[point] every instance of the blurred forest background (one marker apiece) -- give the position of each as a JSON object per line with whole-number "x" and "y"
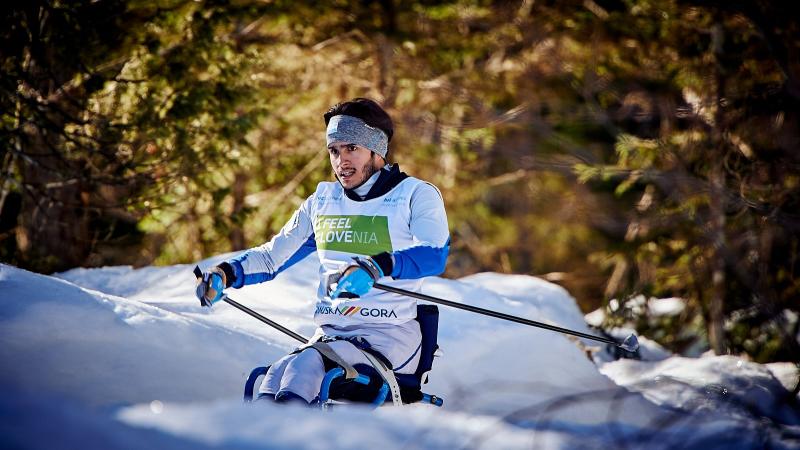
{"x": 619, "y": 148}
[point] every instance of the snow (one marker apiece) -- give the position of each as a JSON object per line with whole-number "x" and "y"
{"x": 126, "y": 358}
{"x": 649, "y": 350}
{"x": 655, "y": 307}
{"x": 725, "y": 384}
{"x": 667, "y": 306}
{"x": 786, "y": 373}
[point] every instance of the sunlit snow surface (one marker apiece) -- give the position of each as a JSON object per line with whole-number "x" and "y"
{"x": 123, "y": 358}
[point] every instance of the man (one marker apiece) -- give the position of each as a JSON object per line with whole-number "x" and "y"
{"x": 373, "y": 224}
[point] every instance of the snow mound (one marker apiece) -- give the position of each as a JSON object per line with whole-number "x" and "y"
{"x": 722, "y": 384}
{"x": 103, "y": 350}
{"x": 126, "y": 358}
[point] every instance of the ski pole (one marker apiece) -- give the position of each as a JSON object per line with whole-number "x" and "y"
{"x": 199, "y": 274}
{"x": 630, "y": 344}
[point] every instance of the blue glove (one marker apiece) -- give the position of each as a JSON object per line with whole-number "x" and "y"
{"x": 210, "y": 286}
{"x": 358, "y": 278}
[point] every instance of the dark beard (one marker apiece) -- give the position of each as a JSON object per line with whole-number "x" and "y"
{"x": 369, "y": 169}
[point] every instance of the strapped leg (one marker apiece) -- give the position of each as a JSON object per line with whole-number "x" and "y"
{"x": 327, "y": 351}
{"x": 388, "y": 377}
{"x": 347, "y": 351}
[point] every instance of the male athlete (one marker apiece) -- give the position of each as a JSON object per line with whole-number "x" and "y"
{"x": 374, "y": 224}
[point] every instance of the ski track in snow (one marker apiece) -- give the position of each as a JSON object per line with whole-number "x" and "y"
{"x": 123, "y": 358}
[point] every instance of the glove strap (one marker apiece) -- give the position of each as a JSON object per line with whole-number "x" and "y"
{"x": 218, "y": 270}
{"x": 370, "y": 266}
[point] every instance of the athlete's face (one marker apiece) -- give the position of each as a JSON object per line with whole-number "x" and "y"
{"x": 353, "y": 164}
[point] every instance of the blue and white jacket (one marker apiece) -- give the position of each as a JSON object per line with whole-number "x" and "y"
{"x": 408, "y": 222}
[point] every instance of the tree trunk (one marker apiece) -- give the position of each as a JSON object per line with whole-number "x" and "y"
{"x": 236, "y": 235}
{"x": 384, "y": 49}
{"x": 716, "y": 331}
{"x": 53, "y": 232}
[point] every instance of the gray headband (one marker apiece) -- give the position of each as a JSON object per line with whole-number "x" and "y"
{"x": 353, "y": 130}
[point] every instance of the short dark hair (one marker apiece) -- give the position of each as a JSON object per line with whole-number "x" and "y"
{"x": 365, "y": 109}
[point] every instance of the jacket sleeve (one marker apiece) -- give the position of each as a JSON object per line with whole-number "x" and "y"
{"x": 294, "y": 242}
{"x": 428, "y": 224}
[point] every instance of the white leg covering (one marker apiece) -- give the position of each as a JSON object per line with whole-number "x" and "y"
{"x": 398, "y": 343}
{"x": 349, "y": 352}
{"x": 302, "y": 373}
{"x": 271, "y": 383}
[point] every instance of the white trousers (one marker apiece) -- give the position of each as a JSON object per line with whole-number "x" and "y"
{"x": 302, "y": 373}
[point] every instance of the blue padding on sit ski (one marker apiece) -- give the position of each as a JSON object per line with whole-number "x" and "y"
{"x": 325, "y": 388}
{"x": 383, "y": 393}
{"x": 432, "y": 399}
{"x": 251, "y": 381}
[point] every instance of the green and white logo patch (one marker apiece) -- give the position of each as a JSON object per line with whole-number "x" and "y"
{"x": 362, "y": 235}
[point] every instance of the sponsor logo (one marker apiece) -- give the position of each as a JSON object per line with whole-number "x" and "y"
{"x": 355, "y": 311}
{"x": 321, "y": 199}
{"x": 394, "y": 200}
{"x": 362, "y": 235}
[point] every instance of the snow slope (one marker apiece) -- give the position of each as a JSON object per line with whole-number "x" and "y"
{"x": 124, "y": 358}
